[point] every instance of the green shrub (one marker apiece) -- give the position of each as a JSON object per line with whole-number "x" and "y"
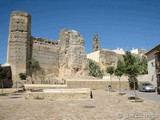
{"x": 23, "y": 76}
{"x": 94, "y": 69}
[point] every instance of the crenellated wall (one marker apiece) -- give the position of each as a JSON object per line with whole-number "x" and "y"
{"x": 46, "y": 53}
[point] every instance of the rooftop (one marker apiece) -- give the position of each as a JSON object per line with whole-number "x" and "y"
{"x": 153, "y": 49}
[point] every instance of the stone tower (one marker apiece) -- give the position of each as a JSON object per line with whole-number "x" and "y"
{"x": 96, "y": 46}
{"x": 72, "y": 57}
{"x": 19, "y": 43}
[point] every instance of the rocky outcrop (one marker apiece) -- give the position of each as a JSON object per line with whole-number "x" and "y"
{"x": 72, "y": 57}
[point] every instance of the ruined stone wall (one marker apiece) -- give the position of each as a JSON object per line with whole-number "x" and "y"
{"x": 107, "y": 58}
{"x": 68, "y": 56}
{"x": 46, "y": 53}
{"x": 19, "y": 43}
{"x": 72, "y": 56}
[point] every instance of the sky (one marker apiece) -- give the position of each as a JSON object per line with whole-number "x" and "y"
{"x": 125, "y": 24}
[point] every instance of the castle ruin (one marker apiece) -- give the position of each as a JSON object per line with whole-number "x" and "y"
{"x": 63, "y": 57}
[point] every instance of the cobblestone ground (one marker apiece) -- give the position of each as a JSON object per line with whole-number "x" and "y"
{"x": 103, "y": 106}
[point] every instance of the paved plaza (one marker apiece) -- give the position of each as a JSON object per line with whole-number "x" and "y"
{"x": 104, "y": 106}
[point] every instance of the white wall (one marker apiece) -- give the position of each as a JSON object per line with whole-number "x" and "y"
{"x": 138, "y": 51}
{"x": 119, "y": 51}
{"x": 134, "y": 51}
{"x": 151, "y": 69}
{"x": 94, "y": 56}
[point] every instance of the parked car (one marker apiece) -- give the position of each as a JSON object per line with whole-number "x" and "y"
{"x": 146, "y": 87}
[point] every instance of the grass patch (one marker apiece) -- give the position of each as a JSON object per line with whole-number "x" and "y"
{"x": 132, "y": 99}
{"x": 89, "y": 106}
{"x": 121, "y": 93}
{"x": 38, "y": 98}
{"x": 4, "y": 94}
{"x": 14, "y": 97}
{"x": 38, "y": 90}
{"x": 20, "y": 91}
{"x": 16, "y": 94}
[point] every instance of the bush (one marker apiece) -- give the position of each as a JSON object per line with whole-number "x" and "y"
{"x": 94, "y": 69}
{"x": 110, "y": 70}
{"x": 3, "y": 73}
{"x": 23, "y": 76}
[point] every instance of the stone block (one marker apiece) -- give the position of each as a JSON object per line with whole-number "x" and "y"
{"x": 54, "y": 94}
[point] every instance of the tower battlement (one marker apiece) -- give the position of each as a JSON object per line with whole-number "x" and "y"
{"x": 20, "y": 21}
{"x": 20, "y": 13}
{"x": 44, "y": 41}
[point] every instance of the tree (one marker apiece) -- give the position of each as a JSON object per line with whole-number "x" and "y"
{"x": 131, "y": 69}
{"x": 22, "y": 76}
{"x": 3, "y": 76}
{"x": 110, "y": 70}
{"x": 142, "y": 65}
{"x": 34, "y": 67}
{"x": 119, "y": 71}
{"x": 94, "y": 69}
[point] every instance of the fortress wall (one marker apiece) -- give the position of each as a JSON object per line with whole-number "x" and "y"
{"x": 19, "y": 43}
{"x": 46, "y": 53}
{"x": 67, "y": 56}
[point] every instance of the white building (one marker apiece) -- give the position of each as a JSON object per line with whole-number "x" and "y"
{"x": 94, "y": 56}
{"x": 153, "y": 57}
{"x": 119, "y": 51}
{"x": 138, "y": 51}
{"x": 134, "y": 51}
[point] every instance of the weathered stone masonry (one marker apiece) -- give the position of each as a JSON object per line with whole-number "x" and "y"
{"x": 72, "y": 56}
{"x": 64, "y": 57}
{"x": 19, "y": 43}
{"x": 46, "y": 53}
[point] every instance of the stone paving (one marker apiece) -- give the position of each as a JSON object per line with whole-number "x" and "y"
{"x": 103, "y": 106}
